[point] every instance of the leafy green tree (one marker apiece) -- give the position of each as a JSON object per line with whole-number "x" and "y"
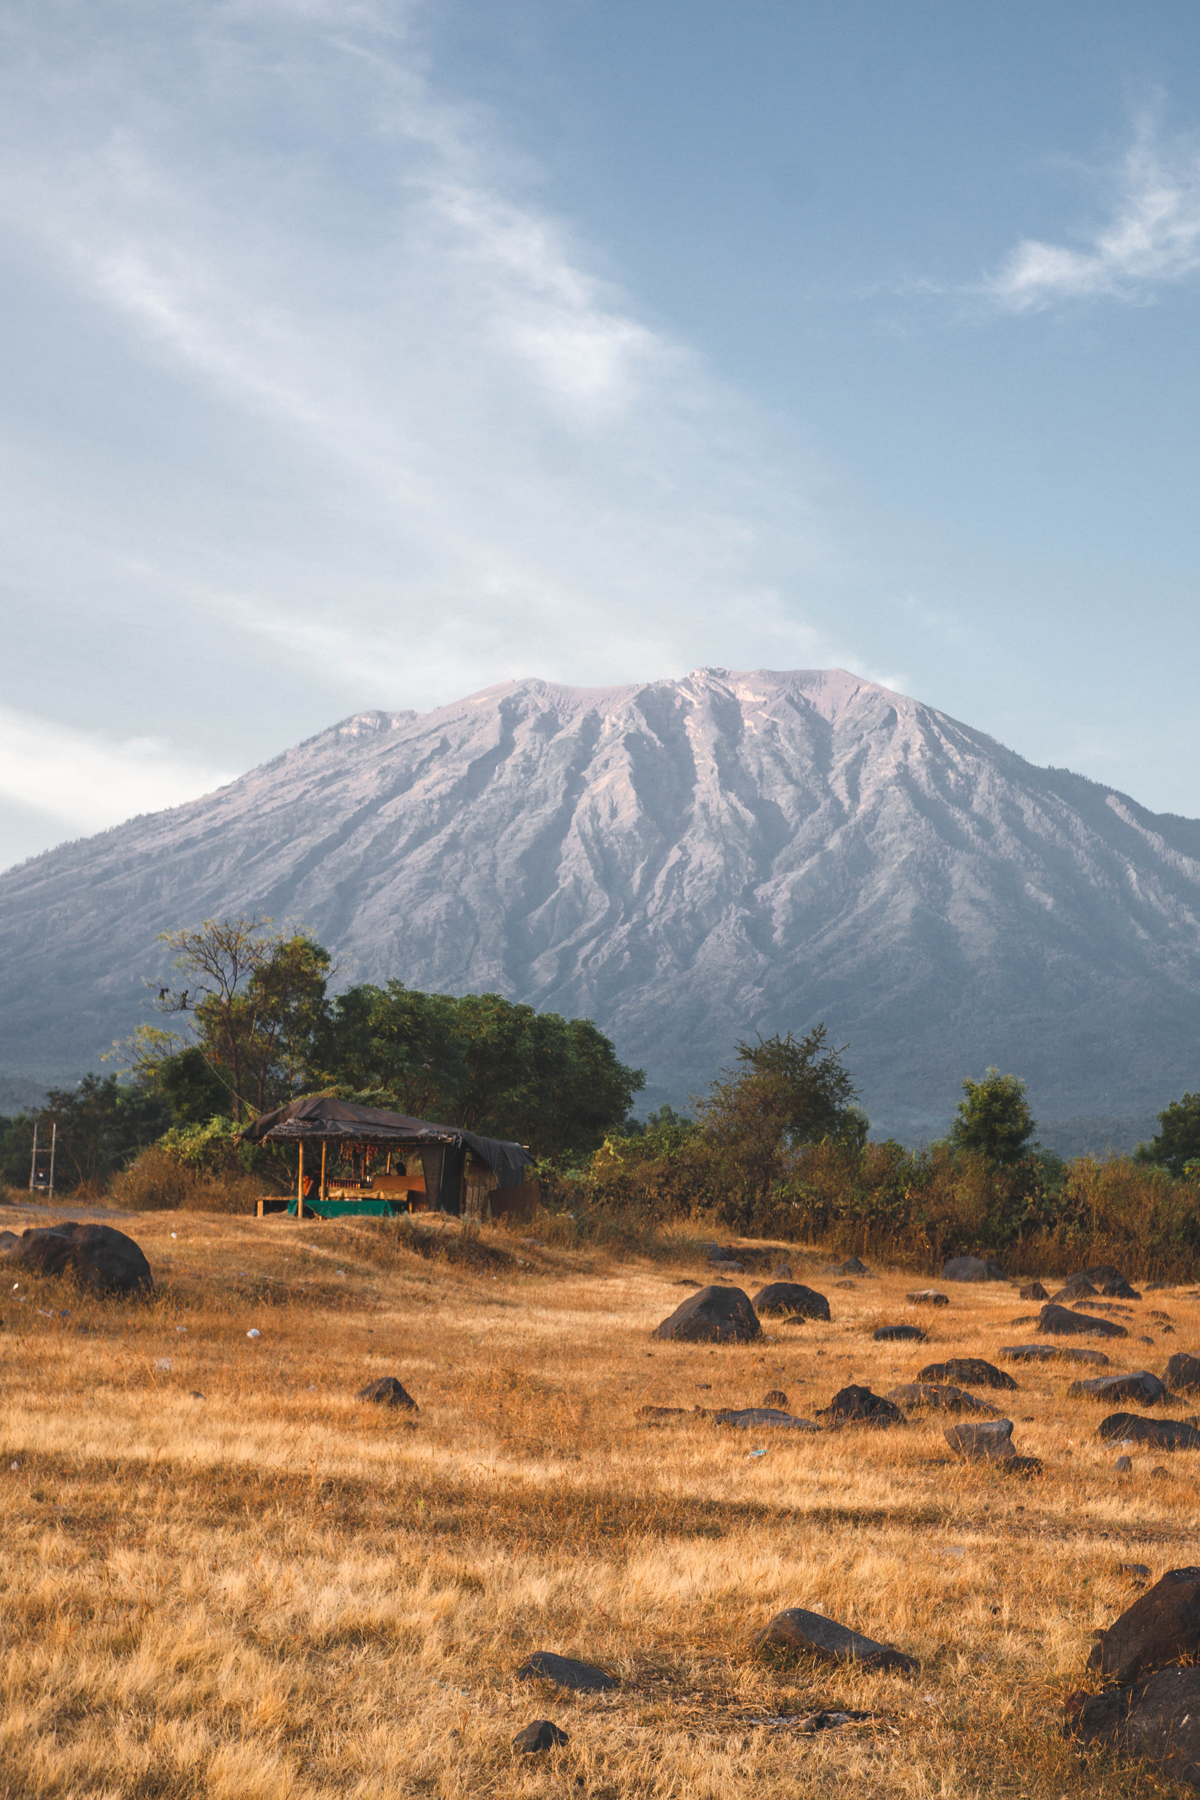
{"x": 101, "y": 1127}
{"x": 256, "y": 1000}
{"x": 192, "y": 1088}
{"x": 994, "y": 1119}
{"x": 396, "y": 1041}
{"x": 1178, "y": 1139}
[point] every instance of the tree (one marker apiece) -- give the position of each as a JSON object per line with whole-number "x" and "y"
{"x": 1178, "y": 1139}
{"x": 101, "y": 1127}
{"x": 787, "y": 1092}
{"x": 256, "y": 999}
{"x": 393, "y": 1040}
{"x": 994, "y": 1119}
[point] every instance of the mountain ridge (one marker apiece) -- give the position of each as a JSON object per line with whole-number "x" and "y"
{"x": 686, "y": 861}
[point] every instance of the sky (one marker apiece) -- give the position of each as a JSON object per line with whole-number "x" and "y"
{"x": 364, "y": 353}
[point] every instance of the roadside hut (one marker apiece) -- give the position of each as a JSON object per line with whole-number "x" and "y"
{"x": 328, "y": 1131}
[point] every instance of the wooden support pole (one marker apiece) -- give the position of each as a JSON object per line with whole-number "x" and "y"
{"x": 300, "y": 1188}
{"x": 324, "y": 1146}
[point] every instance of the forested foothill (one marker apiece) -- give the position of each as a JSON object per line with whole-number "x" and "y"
{"x": 777, "y": 1146}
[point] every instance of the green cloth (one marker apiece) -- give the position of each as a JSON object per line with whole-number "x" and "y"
{"x": 339, "y": 1209}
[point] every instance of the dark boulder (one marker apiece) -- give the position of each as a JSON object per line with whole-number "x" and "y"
{"x": 788, "y": 1299}
{"x": 1053, "y": 1352}
{"x": 1102, "y": 1276}
{"x": 859, "y": 1406}
{"x": 1060, "y": 1321}
{"x": 1075, "y": 1290}
{"x": 539, "y": 1734}
{"x": 565, "y": 1672}
{"x": 973, "y": 1268}
{"x": 890, "y": 1334}
{"x": 96, "y": 1256}
{"x": 1183, "y": 1373}
{"x": 1158, "y": 1719}
{"x": 927, "y": 1297}
{"x": 1159, "y": 1629}
{"x": 388, "y": 1392}
{"x": 797, "y": 1632}
{"x": 937, "y": 1397}
{"x": 712, "y": 1315}
{"x": 1163, "y": 1434}
{"x": 1033, "y": 1290}
{"x": 970, "y": 1371}
{"x": 758, "y": 1418}
{"x": 1143, "y": 1387}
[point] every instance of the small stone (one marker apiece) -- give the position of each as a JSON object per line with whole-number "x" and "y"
{"x": 1140, "y": 1570}
{"x": 941, "y": 1398}
{"x": 987, "y": 1442}
{"x": 1048, "y": 1352}
{"x": 969, "y": 1371}
{"x": 565, "y": 1672}
{"x": 798, "y": 1631}
{"x": 1033, "y": 1290}
{"x": 387, "y": 1391}
{"x": 781, "y": 1272}
{"x": 890, "y": 1334}
{"x": 1079, "y": 1289}
{"x": 1124, "y": 1466}
{"x": 1183, "y": 1373}
{"x": 1159, "y": 1473}
{"x": 776, "y": 1397}
{"x": 927, "y": 1297}
{"x": 756, "y": 1418}
{"x": 859, "y": 1406}
{"x": 539, "y": 1734}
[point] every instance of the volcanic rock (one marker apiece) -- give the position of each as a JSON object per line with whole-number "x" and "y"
{"x": 1051, "y": 1352}
{"x": 859, "y": 1406}
{"x": 1078, "y": 1289}
{"x": 755, "y": 1418}
{"x": 971, "y": 1371}
{"x": 888, "y": 1334}
{"x": 388, "y": 1392}
{"x": 935, "y": 1395}
{"x": 1164, "y": 1434}
{"x": 791, "y": 1300}
{"x": 565, "y": 1672}
{"x": 991, "y": 1442}
{"x": 96, "y": 1256}
{"x": 1158, "y": 1719}
{"x": 1141, "y": 1386}
{"x": 1183, "y": 1373}
{"x": 927, "y": 1297}
{"x": 712, "y": 1315}
{"x": 1060, "y": 1321}
{"x": 973, "y": 1268}
{"x": 1160, "y": 1628}
{"x": 1033, "y": 1290}
{"x": 797, "y": 1631}
{"x": 539, "y": 1734}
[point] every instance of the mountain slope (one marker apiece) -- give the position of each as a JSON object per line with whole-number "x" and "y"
{"x": 687, "y": 862}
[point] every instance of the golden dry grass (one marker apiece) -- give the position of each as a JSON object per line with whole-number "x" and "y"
{"x": 277, "y": 1590}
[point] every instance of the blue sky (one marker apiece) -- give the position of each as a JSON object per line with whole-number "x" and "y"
{"x": 364, "y": 354}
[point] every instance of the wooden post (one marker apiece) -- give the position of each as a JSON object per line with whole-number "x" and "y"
{"x": 323, "y": 1149}
{"x": 300, "y": 1189}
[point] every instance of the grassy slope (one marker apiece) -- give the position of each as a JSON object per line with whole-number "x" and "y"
{"x": 278, "y": 1590}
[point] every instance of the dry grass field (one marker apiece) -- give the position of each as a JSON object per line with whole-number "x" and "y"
{"x": 224, "y": 1575}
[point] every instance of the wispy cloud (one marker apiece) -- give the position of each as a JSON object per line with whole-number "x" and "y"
{"x": 1152, "y": 238}
{"x": 85, "y": 781}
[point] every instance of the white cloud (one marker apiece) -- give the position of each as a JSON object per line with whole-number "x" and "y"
{"x": 1153, "y": 237}
{"x": 84, "y": 781}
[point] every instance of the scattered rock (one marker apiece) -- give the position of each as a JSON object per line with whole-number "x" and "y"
{"x": 776, "y": 1397}
{"x": 1059, "y": 1321}
{"x": 1101, "y": 1276}
{"x": 1141, "y": 1571}
{"x": 927, "y": 1297}
{"x": 789, "y": 1299}
{"x": 991, "y": 1442}
{"x": 658, "y": 1415}
{"x": 890, "y": 1334}
{"x": 933, "y": 1394}
{"x": 1048, "y": 1352}
{"x": 859, "y": 1406}
{"x": 971, "y": 1371}
{"x": 973, "y": 1268}
{"x": 1033, "y": 1290}
{"x": 388, "y": 1392}
{"x": 1158, "y": 1719}
{"x": 1164, "y": 1434}
{"x": 722, "y": 1253}
{"x": 565, "y": 1672}
{"x": 1158, "y": 1473}
{"x": 852, "y": 1266}
{"x": 755, "y": 1418}
{"x": 1119, "y": 1290}
{"x": 1183, "y": 1373}
{"x": 1161, "y": 1628}
{"x": 97, "y": 1256}
{"x": 781, "y": 1272}
{"x": 799, "y": 1632}
{"x": 712, "y": 1315}
{"x": 1124, "y": 1465}
{"x": 1140, "y": 1386}
{"x": 1076, "y": 1290}
{"x": 539, "y": 1734}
